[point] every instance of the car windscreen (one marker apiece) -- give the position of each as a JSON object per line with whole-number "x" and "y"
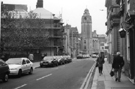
{"x": 14, "y": 61}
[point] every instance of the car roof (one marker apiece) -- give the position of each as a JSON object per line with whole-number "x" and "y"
{"x": 1, "y": 60}
{"x": 19, "y": 58}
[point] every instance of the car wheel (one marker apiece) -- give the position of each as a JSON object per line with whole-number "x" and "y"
{"x": 20, "y": 73}
{"x": 41, "y": 65}
{"x": 5, "y": 78}
{"x": 31, "y": 71}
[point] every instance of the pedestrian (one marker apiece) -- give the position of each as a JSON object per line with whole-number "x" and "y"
{"x": 31, "y": 57}
{"x": 117, "y": 65}
{"x": 100, "y": 62}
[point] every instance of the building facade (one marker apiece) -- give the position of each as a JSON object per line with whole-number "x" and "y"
{"x": 86, "y": 32}
{"x": 96, "y": 44}
{"x": 121, "y": 34}
{"x": 74, "y": 41}
{"x": 39, "y": 36}
{"x": 71, "y": 41}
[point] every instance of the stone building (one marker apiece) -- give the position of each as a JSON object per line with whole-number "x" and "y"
{"x": 120, "y": 31}
{"x": 96, "y": 44}
{"x": 86, "y": 32}
{"x": 71, "y": 40}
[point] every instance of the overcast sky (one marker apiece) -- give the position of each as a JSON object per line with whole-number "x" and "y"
{"x": 72, "y": 11}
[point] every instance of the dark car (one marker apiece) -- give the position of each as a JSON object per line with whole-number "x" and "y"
{"x": 80, "y": 56}
{"x": 68, "y": 58}
{"x": 48, "y": 61}
{"x": 59, "y": 59}
{"x": 4, "y": 71}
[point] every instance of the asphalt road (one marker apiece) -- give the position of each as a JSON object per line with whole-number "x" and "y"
{"x": 68, "y": 76}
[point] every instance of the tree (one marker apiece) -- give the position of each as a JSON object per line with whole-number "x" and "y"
{"x": 22, "y": 33}
{"x": 32, "y": 15}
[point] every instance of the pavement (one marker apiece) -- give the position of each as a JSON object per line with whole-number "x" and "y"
{"x": 36, "y": 64}
{"x": 105, "y": 81}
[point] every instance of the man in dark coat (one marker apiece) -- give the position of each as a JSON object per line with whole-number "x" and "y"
{"x": 117, "y": 65}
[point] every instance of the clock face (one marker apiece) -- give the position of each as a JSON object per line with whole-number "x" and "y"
{"x": 85, "y": 18}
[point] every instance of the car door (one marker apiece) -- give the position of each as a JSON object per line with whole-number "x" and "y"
{"x": 28, "y": 64}
{"x": 3, "y": 68}
{"x": 24, "y": 66}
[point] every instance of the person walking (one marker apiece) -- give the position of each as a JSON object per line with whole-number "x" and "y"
{"x": 117, "y": 65}
{"x": 100, "y": 62}
{"x": 31, "y": 57}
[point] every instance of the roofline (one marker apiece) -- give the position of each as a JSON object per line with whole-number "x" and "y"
{"x": 14, "y": 4}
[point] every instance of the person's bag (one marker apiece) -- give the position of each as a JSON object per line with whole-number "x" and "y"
{"x": 103, "y": 61}
{"x": 96, "y": 64}
{"x": 112, "y": 73}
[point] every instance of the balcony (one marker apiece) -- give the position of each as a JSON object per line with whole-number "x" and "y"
{"x": 115, "y": 22}
{"x": 115, "y": 13}
{"x": 115, "y": 4}
{"x": 131, "y": 8}
{"x": 56, "y": 36}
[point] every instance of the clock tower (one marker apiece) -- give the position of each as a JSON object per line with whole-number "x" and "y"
{"x": 86, "y": 32}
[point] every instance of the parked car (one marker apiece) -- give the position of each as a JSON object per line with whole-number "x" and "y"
{"x": 48, "y": 61}
{"x": 80, "y": 56}
{"x": 65, "y": 59}
{"x": 4, "y": 71}
{"x": 18, "y": 66}
{"x": 86, "y": 55}
{"x": 94, "y": 56}
{"x": 60, "y": 59}
{"x": 68, "y": 58}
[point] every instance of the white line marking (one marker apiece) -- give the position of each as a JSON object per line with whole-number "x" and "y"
{"x": 20, "y": 86}
{"x": 87, "y": 84}
{"x": 44, "y": 77}
{"x": 86, "y": 78}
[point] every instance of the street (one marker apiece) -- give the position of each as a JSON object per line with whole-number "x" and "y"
{"x": 68, "y": 76}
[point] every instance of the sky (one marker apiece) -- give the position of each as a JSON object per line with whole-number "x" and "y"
{"x": 72, "y": 11}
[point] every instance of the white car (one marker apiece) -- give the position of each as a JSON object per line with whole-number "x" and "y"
{"x": 18, "y": 66}
{"x": 94, "y": 56}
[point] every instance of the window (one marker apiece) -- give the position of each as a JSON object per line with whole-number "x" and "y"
{"x": 27, "y": 61}
{"x": 1, "y": 62}
{"x": 84, "y": 47}
{"x": 23, "y": 62}
{"x": 85, "y": 18}
{"x": 84, "y": 41}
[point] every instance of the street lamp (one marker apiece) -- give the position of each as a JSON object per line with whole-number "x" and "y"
{"x": 122, "y": 33}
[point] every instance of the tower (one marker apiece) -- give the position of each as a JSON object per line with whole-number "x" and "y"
{"x": 39, "y": 4}
{"x": 86, "y": 32}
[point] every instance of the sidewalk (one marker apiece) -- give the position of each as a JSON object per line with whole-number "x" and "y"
{"x": 36, "y": 64}
{"x": 105, "y": 81}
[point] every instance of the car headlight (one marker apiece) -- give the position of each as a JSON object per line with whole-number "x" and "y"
{"x": 14, "y": 69}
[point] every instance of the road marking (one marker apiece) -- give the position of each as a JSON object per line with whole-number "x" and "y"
{"x": 44, "y": 77}
{"x": 86, "y": 80}
{"x": 87, "y": 84}
{"x": 20, "y": 86}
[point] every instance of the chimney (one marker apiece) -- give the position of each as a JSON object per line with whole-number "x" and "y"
{"x": 39, "y": 4}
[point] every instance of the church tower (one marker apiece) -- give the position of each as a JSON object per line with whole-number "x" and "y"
{"x": 86, "y": 32}
{"x": 39, "y": 4}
